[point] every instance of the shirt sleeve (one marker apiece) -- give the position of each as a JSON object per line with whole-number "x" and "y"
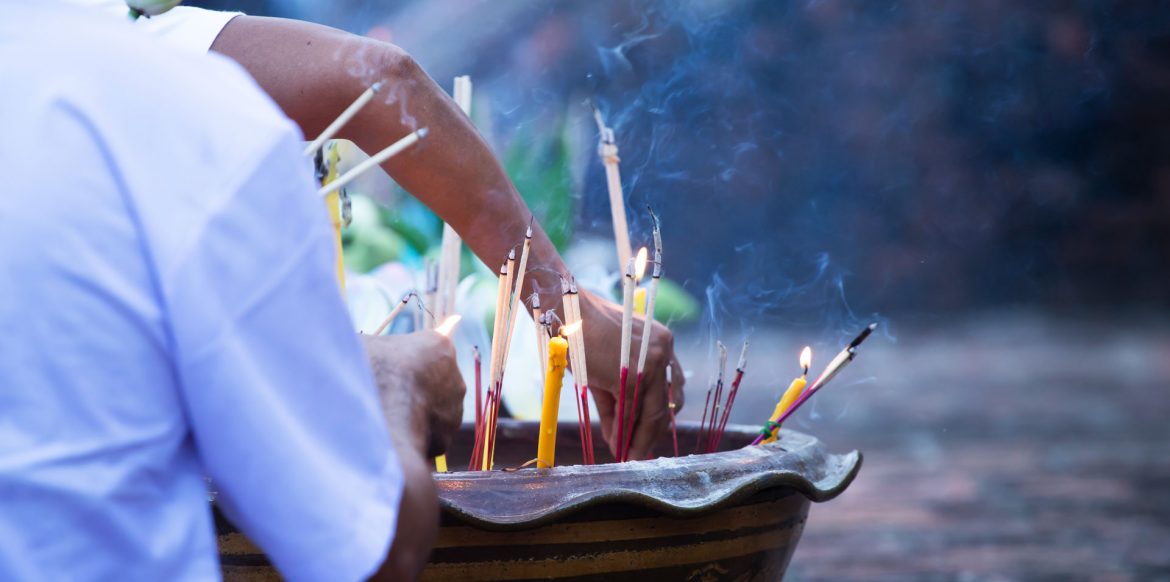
{"x": 281, "y": 402}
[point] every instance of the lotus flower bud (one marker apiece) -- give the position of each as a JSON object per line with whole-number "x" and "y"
{"x": 150, "y": 7}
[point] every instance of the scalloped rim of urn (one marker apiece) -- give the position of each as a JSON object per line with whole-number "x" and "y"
{"x": 687, "y": 486}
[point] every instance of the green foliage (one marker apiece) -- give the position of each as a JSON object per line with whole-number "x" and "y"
{"x": 673, "y": 303}
{"x": 541, "y": 169}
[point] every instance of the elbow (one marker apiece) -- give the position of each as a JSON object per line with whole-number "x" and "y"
{"x": 393, "y": 66}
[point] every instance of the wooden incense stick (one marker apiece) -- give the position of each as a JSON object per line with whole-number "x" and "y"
{"x": 451, "y": 246}
{"x": 394, "y": 313}
{"x": 497, "y": 337}
{"x": 572, "y": 307}
{"x": 541, "y": 339}
{"x": 343, "y": 119}
{"x": 575, "y": 303}
{"x": 430, "y": 317}
{"x": 608, "y": 151}
{"x": 375, "y": 160}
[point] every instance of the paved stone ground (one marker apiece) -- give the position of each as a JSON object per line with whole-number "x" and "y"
{"x": 1013, "y": 447}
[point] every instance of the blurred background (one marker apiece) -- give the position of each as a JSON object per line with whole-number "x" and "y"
{"x": 988, "y": 180}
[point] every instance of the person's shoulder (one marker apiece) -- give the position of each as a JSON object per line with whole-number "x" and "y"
{"x": 122, "y": 71}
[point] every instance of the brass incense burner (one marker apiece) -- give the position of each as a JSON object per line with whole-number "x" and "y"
{"x": 732, "y": 515}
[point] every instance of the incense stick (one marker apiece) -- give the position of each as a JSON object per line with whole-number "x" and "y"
{"x": 670, "y": 405}
{"x": 541, "y": 340}
{"x": 624, "y": 373}
{"x": 574, "y": 303}
{"x": 375, "y": 160}
{"x": 608, "y": 151}
{"x": 394, "y": 313}
{"x": 342, "y": 119}
{"x": 450, "y": 248}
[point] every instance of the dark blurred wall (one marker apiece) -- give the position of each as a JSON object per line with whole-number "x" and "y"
{"x": 927, "y": 155}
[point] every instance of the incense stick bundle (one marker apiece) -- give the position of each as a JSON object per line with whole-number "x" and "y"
{"x": 608, "y": 151}
{"x": 375, "y": 160}
{"x": 739, "y": 370}
{"x": 572, "y": 306}
{"x": 342, "y": 119}
{"x": 518, "y": 278}
{"x": 647, "y": 327}
{"x": 489, "y": 404}
{"x": 718, "y": 394}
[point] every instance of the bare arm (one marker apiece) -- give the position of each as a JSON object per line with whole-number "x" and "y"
{"x": 313, "y": 72}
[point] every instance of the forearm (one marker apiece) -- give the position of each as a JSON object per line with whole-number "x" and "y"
{"x": 313, "y": 72}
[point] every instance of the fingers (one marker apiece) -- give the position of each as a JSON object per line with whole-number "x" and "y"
{"x": 607, "y": 409}
{"x": 653, "y": 416}
{"x": 678, "y": 382}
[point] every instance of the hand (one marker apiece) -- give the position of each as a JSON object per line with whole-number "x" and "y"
{"x": 421, "y": 388}
{"x": 603, "y": 335}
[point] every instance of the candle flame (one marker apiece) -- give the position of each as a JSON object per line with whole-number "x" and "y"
{"x": 640, "y": 264}
{"x": 444, "y": 329}
{"x": 572, "y": 328}
{"x": 806, "y": 358}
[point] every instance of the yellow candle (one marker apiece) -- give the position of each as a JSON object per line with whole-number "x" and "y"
{"x": 333, "y": 203}
{"x": 558, "y": 349}
{"x": 640, "y": 301}
{"x": 795, "y": 389}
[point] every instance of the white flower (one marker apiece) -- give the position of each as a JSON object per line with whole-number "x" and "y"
{"x": 150, "y": 7}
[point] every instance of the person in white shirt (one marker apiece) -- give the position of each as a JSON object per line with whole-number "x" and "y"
{"x": 313, "y": 72}
{"x": 170, "y": 313}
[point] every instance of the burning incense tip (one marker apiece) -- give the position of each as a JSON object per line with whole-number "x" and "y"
{"x": 742, "y": 358}
{"x": 423, "y": 132}
{"x": 806, "y": 358}
{"x": 444, "y": 329}
{"x": 864, "y": 334}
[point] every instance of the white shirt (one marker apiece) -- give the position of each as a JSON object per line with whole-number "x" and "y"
{"x": 169, "y": 311}
{"x": 186, "y": 28}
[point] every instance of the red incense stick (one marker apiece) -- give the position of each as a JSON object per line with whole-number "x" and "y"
{"x": 621, "y": 419}
{"x": 727, "y": 410}
{"x": 633, "y": 416}
{"x": 588, "y": 423}
{"x": 703, "y": 420}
